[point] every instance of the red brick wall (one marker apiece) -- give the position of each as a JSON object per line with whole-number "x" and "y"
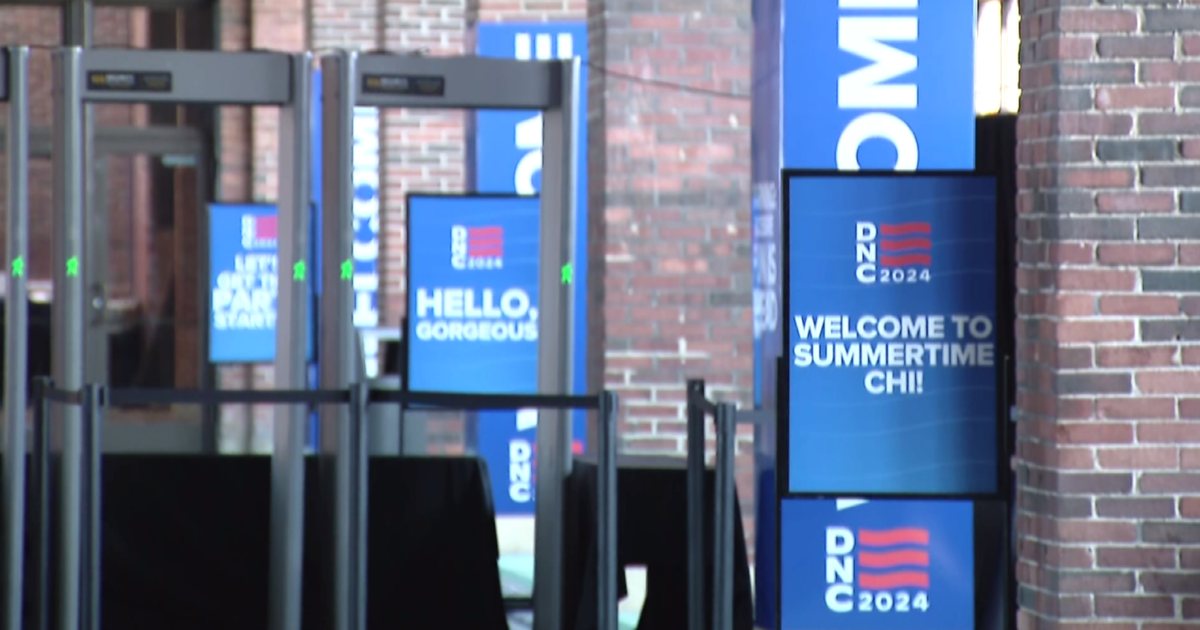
{"x": 1107, "y": 377}
{"x": 674, "y": 213}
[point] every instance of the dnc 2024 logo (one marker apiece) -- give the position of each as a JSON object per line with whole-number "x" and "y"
{"x": 479, "y": 247}
{"x": 893, "y": 253}
{"x": 877, "y": 571}
{"x": 260, "y": 231}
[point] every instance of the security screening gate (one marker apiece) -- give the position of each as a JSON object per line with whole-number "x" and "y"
{"x": 82, "y": 76}
{"x": 14, "y": 79}
{"x": 93, "y": 399}
{"x": 351, "y": 79}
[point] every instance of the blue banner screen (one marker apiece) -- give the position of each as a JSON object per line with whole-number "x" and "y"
{"x": 473, "y": 322}
{"x": 892, "y": 378}
{"x": 243, "y": 279}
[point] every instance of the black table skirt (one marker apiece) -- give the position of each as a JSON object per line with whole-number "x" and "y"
{"x": 652, "y": 532}
{"x": 186, "y": 543}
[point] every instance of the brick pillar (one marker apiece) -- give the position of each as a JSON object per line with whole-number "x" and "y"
{"x": 1106, "y": 361}
{"x": 670, "y": 214}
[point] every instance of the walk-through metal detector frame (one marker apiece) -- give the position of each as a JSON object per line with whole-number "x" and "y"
{"x": 14, "y": 89}
{"x": 384, "y": 80}
{"x": 81, "y": 76}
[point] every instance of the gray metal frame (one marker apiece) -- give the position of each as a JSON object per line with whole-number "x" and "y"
{"x": 119, "y": 140}
{"x": 180, "y": 77}
{"x": 153, "y": 4}
{"x": 14, "y": 88}
{"x": 67, "y": 321}
{"x": 114, "y": 141}
{"x": 388, "y": 80}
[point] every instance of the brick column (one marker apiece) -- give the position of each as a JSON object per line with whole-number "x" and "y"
{"x": 669, "y": 212}
{"x": 1109, "y": 250}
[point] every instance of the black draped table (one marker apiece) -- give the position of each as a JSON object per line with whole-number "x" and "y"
{"x": 651, "y": 532}
{"x": 186, "y": 544}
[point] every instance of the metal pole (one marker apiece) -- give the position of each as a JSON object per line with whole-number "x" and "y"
{"x": 339, "y": 356}
{"x": 68, "y": 317}
{"x": 723, "y": 524}
{"x": 360, "y": 414}
{"x": 696, "y": 446}
{"x": 93, "y": 417}
{"x": 291, "y": 369}
{"x": 606, "y": 515}
{"x": 77, "y": 30}
{"x": 556, "y": 298}
{"x": 16, "y": 335}
{"x": 39, "y": 465}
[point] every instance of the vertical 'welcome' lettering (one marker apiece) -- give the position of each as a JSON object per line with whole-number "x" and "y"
{"x": 873, "y": 87}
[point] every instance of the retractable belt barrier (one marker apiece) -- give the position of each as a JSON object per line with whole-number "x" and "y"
{"x": 725, "y": 417}
{"x": 92, "y": 399}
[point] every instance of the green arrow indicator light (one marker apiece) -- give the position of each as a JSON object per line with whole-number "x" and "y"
{"x": 18, "y": 267}
{"x": 567, "y": 274}
{"x": 73, "y": 266}
{"x": 348, "y": 270}
{"x": 298, "y": 271}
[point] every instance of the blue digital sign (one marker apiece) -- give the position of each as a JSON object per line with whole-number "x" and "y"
{"x": 244, "y": 282}
{"x": 473, "y": 321}
{"x": 849, "y": 564}
{"x": 473, "y": 289}
{"x": 893, "y": 368}
{"x": 879, "y": 84}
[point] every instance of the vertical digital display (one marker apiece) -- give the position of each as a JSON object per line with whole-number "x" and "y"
{"x": 893, "y": 369}
{"x": 473, "y": 321}
{"x": 473, "y": 293}
{"x": 244, "y": 283}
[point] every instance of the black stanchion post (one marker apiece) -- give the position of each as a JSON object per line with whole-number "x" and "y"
{"x": 93, "y": 414}
{"x": 606, "y": 515}
{"x": 695, "y": 503}
{"x": 39, "y": 466}
{"x": 359, "y": 463}
{"x": 723, "y": 524}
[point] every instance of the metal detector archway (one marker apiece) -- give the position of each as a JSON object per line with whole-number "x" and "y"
{"x": 351, "y": 79}
{"x": 81, "y": 76}
{"x": 14, "y": 89}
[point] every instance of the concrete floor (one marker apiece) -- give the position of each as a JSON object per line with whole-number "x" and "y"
{"x": 516, "y": 580}
{"x": 515, "y": 534}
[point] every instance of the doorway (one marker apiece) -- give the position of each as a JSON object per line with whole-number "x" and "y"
{"x": 146, "y": 252}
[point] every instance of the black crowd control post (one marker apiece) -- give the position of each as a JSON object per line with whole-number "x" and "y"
{"x": 358, "y": 463}
{"x": 606, "y": 514}
{"x": 723, "y": 523}
{"x": 695, "y": 504}
{"x": 39, "y": 467}
{"x": 93, "y": 419}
